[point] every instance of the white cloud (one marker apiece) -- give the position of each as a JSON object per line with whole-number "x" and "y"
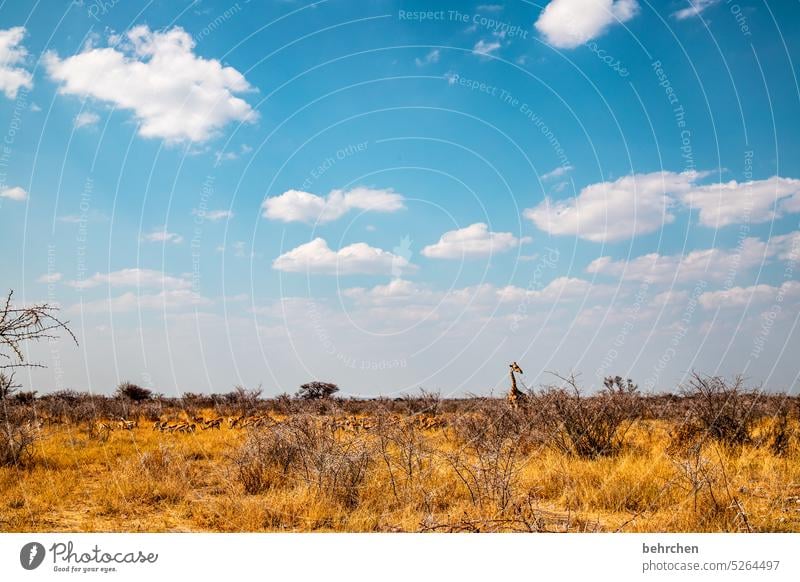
{"x": 174, "y": 93}
{"x": 12, "y": 53}
{"x": 86, "y": 118}
{"x": 133, "y": 277}
{"x": 613, "y": 211}
{"x": 212, "y": 215}
{"x": 130, "y": 301}
{"x": 49, "y": 278}
{"x": 785, "y": 246}
{"x": 163, "y": 236}
{"x": 703, "y": 264}
{"x": 485, "y": 49}
{"x": 570, "y": 23}
{"x": 316, "y": 257}
{"x": 299, "y": 206}
{"x": 431, "y": 57}
{"x": 472, "y": 241}
{"x": 15, "y": 193}
{"x": 721, "y": 204}
{"x": 695, "y": 8}
{"x": 557, "y": 172}
{"x": 755, "y": 294}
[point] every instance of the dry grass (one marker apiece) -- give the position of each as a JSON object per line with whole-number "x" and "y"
{"x": 478, "y": 467}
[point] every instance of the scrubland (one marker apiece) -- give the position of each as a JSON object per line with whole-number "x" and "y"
{"x": 716, "y": 458}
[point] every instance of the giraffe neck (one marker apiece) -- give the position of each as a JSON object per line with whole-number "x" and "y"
{"x": 513, "y": 382}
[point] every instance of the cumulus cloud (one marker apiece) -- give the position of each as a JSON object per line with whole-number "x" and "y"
{"x": 613, "y": 211}
{"x": 14, "y": 193}
{"x": 472, "y": 241}
{"x": 12, "y": 54}
{"x": 643, "y": 203}
{"x": 755, "y": 294}
{"x": 721, "y": 204}
{"x": 570, "y": 23}
{"x": 695, "y": 8}
{"x": 316, "y": 257}
{"x": 712, "y": 264}
{"x": 299, "y": 206}
{"x": 86, "y": 118}
{"x": 133, "y": 277}
{"x": 174, "y": 93}
{"x": 163, "y": 236}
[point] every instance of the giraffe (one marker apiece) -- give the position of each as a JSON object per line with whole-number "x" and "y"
{"x": 515, "y": 396}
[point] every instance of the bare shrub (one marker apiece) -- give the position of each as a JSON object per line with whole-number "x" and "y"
{"x": 406, "y": 455}
{"x": 725, "y": 412}
{"x": 16, "y": 443}
{"x": 593, "y": 426}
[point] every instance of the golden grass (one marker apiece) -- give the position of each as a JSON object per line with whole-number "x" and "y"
{"x": 142, "y": 480}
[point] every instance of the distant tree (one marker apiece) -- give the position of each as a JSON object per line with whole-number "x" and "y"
{"x": 25, "y": 397}
{"x": 7, "y": 385}
{"x": 317, "y": 390}
{"x": 241, "y": 395}
{"x": 133, "y": 392}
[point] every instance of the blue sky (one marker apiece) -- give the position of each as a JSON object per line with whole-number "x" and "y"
{"x": 398, "y": 195}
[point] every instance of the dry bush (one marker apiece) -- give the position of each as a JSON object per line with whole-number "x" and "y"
{"x": 488, "y": 457}
{"x": 16, "y": 443}
{"x": 407, "y": 457}
{"x": 589, "y": 427}
{"x": 303, "y": 450}
{"x": 725, "y": 412}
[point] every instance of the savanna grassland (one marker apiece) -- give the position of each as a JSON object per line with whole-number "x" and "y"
{"x": 716, "y": 457}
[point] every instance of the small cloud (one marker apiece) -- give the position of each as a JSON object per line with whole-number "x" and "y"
{"x": 557, "y": 172}
{"x": 163, "y": 236}
{"x": 15, "y": 193}
{"x": 430, "y": 58}
{"x": 695, "y": 8}
{"x": 485, "y": 49}
{"x": 371, "y": 228}
{"x": 568, "y": 24}
{"x": 49, "y": 278}
{"x": 212, "y": 215}
{"x": 475, "y": 240}
{"x": 34, "y": 108}
{"x": 489, "y": 8}
{"x": 12, "y": 53}
{"x": 86, "y": 119}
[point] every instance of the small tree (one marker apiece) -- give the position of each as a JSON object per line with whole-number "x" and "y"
{"x": 317, "y": 390}
{"x": 133, "y": 392}
{"x": 7, "y": 386}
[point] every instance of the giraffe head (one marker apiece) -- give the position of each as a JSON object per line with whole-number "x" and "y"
{"x": 515, "y": 368}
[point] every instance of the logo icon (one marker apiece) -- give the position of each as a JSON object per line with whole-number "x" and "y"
{"x": 31, "y": 555}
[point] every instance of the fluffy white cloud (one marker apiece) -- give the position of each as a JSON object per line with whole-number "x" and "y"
{"x": 695, "y": 8}
{"x": 642, "y": 203}
{"x": 472, "y": 241}
{"x": 570, "y": 23}
{"x": 299, "y": 206}
{"x": 785, "y": 246}
{"x": 174, "y": 93}
{"x": 613, "y": 211}
{"x": 712, "y": 264}
{"x": 12, "y": 53}
{"x": 163, "y": 236}
{"x": 316, "y": 257}
{"x": 721, "y": 204}
{"x": 485, "y": 49}
{"x": 86, "y": 118}
{"x": 755, "y": 294}
{"x": 133, "y": 278}
{"x": 166, "y": 300}
{"x": 14, "y": 193}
